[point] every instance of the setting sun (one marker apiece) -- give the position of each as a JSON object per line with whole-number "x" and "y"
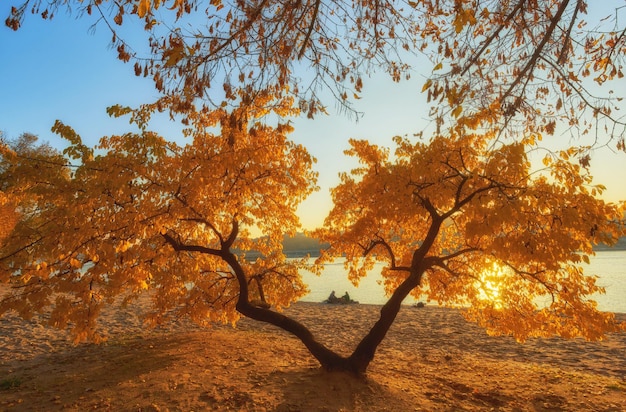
{"x": 490, "y": 285}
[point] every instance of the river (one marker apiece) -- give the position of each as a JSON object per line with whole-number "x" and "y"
{"x": 610, "y": 266}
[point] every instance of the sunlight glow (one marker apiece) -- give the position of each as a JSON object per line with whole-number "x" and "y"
{"x": 490, "y": 284}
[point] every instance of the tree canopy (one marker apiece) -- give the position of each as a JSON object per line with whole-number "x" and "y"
{"x": 460, "y": 222}
{"x": 457, "y": 220}
{"x": 115, "y": 222}
{"x": 512, "y": 67}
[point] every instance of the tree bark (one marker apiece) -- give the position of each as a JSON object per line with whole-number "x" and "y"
{"x": 365, "y": 350}
{"x": 327, "y": 358}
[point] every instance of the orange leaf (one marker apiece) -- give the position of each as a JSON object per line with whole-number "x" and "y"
{"x": 143, "y": 7}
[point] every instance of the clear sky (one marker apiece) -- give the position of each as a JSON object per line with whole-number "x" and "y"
{"x": 60, "y": 70}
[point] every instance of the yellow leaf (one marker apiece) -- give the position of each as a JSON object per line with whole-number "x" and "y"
{"x": 547, "y": 160}
{"x": 427, "y": 85}
{"x": 143, "y": 7}
{"x": 459, "y": 22}
{"x": 559, "y": 104}
{"x": 573, "y": 77}
{"x": 469, "y": 13}
{"x": 438, "y": 67}
{"x": 173, "y": 55}
{"x": 457, "y": 111}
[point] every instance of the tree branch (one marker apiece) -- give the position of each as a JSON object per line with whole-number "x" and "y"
{"x": 310, "y": 29}
{"x": 179, "y": 247}
{"x": 563, "y": 55}
{"x": 387, "y": 247}
{"x": 472, "y": 61}
{"x": 538, "y": 51}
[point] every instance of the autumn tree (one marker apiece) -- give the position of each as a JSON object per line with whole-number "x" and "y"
{"x": 8, "y": 217}
{"x": 13, "y": 186}
{"x": 140, "y": 213}
{"x": 455, "y": 220}
{"x": 460, "y": 218}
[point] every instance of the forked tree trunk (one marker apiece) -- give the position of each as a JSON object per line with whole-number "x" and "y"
{"x": 363, "y": 355}
{"x": 360, "y": 359}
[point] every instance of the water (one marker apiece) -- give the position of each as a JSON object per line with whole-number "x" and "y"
{"x": 610, "y": 266}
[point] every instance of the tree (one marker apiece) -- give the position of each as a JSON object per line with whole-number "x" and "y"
{"x": 456, "y": 220}
{"x": 515, "y": 67}
{"x": 15, "y": 183}
{"x": 8, "y": 217}
{"x": 142, "y": 213}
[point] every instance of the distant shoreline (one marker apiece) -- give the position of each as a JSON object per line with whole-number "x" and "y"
{"x": 618, "y": 247}
{"x": 295, "y": 254}
{"x": 621, "y": 316}
{"x": 301, "y": 245}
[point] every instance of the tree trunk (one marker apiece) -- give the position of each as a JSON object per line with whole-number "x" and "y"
{"x": 365, "y": 350}
{"x": 360, "y": 359}
{"x": 327, "y": 358}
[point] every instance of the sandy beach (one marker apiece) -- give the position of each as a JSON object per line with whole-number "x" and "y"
{"x": 431, "y": 360}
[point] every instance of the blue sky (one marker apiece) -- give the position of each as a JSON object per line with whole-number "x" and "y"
{"x": 60, "y": 70}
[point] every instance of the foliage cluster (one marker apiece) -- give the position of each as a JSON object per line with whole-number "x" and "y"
{"x": 113, "y": 223}
{"x": 515, "y": 67}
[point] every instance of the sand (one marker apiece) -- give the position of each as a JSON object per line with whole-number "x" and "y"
{"x": 431, "y": 360}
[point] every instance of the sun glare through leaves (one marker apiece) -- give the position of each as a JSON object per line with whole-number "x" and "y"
{"x": 490, "y": 284}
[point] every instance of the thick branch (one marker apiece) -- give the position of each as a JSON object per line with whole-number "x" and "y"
{"x": 179, "y": 247}
{"x": 563, "y": 55}
{"x": 310, "y": 30}
{"x": 539, "y": 50}
{"x": 327, "y": 358}
{"x": 387, "y": 247}
{"x": 476, "y": 56}
{"x": 365, "y": 350}
{"x": 226, "y": 244}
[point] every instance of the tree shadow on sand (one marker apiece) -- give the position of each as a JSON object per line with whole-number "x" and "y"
{"x": 85, "y": 375}
{"x": 313, "y": 389}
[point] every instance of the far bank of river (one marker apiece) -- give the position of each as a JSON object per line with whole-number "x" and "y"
{"x": 609, "y": 266}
